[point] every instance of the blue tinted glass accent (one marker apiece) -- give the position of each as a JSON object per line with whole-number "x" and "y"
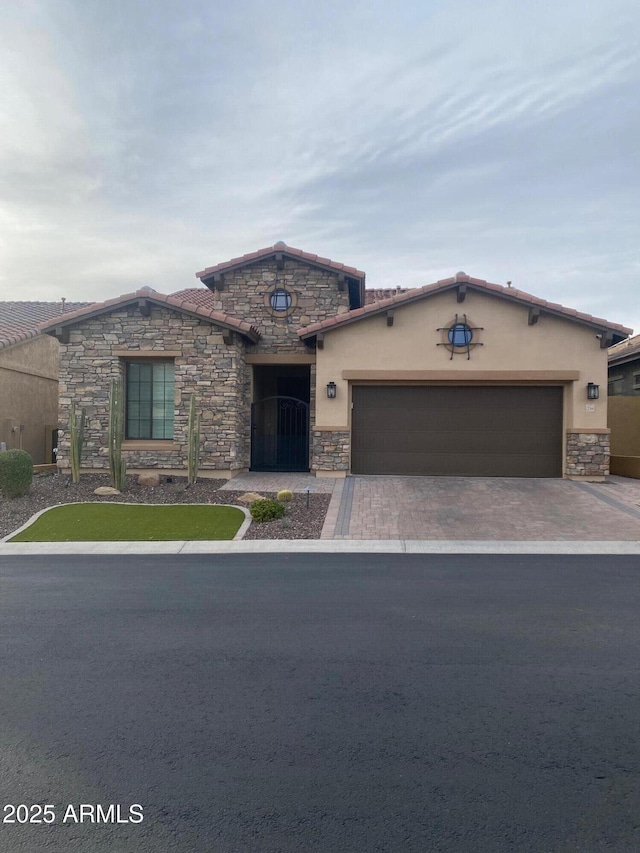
{"x": 280, "y": 300}
{"x": 460, "y": 335}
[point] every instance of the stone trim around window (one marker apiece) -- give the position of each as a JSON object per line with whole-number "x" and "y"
{"x": 149, "y": 444}
{"x": 146, "y": 353}
{"x": 269, "y": 293}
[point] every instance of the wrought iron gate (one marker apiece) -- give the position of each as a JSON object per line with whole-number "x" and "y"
{"x": 280, "y": 434}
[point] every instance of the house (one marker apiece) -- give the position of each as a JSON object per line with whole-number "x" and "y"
{"x": 294, "y": 369}
{"x": 624, "y": 368}
{"x": 29, "y": 378}
{"x": 624, "y": 407}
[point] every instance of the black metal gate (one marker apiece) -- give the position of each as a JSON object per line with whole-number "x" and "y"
{"x": 280, "y": 434}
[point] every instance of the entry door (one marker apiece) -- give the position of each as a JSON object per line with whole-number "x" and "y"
{"x": 280, "y": 434}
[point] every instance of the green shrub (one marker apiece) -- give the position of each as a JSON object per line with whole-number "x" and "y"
{"x": 284, "y": 495}
{"x": 266, "y": 509}
{"x": 16, "y": 473}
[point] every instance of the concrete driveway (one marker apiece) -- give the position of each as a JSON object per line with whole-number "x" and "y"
{"x": 467, "y": 508}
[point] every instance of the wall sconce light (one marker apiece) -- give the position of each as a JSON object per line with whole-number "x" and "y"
{"x": 593, "y": 391}
{"x": 332, "y": 389}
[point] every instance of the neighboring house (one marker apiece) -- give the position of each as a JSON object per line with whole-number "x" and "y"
{"x": 624, "y": 407}
{"x": 624, "y": 368}
{"x": 29, "y": 377}
{"x": 294, "y": 370}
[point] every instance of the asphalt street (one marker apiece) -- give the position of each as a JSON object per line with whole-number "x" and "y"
{"x": 320, "y": 702}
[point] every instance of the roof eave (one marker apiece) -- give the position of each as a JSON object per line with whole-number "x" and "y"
{"x": 51, "y": 327}
{"x": 206, "y": 275}
{"x": 598, "y": 324}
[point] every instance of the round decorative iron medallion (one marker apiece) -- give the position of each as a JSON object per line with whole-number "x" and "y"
{"x": 460, "y": 336}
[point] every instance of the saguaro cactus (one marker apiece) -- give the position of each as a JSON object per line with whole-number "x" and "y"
{"x": 76, "y": 438}
{"x": 193, "y": 442}
{"x": 117, "y": 465}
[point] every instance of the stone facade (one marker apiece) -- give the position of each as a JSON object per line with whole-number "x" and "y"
{"x": 245, "y": 293}
{"x": 207, "y": 367}
{"x": 587, "y": 455}
{"x": 331, "y": 450}
{"x": 216, "y": 372}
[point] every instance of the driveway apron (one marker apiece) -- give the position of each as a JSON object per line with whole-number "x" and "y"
{"x": 459, "y": 508}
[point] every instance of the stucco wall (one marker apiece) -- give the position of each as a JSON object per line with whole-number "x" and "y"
{"x": 508, "y": 344}
{"x": 204, "y": 365}
{"x": 29, "y": 396}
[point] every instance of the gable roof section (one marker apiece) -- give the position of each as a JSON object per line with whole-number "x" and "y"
{"x": 19, "y": 321}
{"x": 282, "y": 250}
{"x": 625, "y": 351}
{"x": 414, "y": 294}
{"x": 147, "y": 295}
{"x": 200, "y": 296}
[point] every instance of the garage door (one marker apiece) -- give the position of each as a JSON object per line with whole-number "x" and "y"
{"x": 488, "y": 431}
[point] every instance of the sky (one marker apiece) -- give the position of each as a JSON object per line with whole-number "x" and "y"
{"x": 141, "y": 142}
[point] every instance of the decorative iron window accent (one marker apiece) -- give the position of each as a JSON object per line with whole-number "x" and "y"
{"x": 280, "y": 300}
{"x": 459, "y": 337}
{"x": 149, "y": 399}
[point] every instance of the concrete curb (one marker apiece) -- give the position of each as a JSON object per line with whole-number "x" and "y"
{"x": 323, "y": 546}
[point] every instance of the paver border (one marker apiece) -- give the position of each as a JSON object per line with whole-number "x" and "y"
{"x": 634, "y": 513}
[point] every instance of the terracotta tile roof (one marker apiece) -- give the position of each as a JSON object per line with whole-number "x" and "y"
{"x": 625, "y": 350}
{"x": 416, "y": 293}
{"x": 297, "y": 254}
{"x": 378, "y": 294}
{"x": 202, "y": 296}
{"x": 178, "y": 302}
{"x": 19, "y": 320}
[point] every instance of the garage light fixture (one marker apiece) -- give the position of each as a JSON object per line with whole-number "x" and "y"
{"x": 331, "y": 390}
{"x": 593, "y": 391}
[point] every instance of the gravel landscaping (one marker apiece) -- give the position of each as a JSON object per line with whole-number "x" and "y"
{"x": 53, "y": 489}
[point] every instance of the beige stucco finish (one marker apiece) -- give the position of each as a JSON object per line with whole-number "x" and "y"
{"x": 29, "y": 396}
{"x": 551, "y": 351}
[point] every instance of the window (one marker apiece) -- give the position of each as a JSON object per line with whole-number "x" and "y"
{"x": 460, "y": 335}
{"x": 280, "y": 300}
{"x": 615, "y": 385}
{"x": 150, "y": 403}
{"x": 636, "y": 381}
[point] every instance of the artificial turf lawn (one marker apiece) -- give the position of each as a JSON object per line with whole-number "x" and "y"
{"x": 111, "y": 522}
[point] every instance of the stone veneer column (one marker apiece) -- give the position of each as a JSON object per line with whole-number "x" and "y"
{"x": 331, "y": 450}
{"x": 588, "y": 455}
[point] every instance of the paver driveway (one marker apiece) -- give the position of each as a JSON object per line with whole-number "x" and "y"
{"x": 487, "y": 508}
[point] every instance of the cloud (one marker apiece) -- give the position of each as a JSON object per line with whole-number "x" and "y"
{"x": 139, "y": 143}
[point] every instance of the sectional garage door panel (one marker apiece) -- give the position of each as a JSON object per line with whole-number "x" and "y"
{"x": 481, "y": 431}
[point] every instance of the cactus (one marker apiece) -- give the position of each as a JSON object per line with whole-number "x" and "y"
{"x": 284, "y": 495}
{"x": 117, "y": 465}
{"x": 193, "y": 442}
{"x": 76, "y": 431}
